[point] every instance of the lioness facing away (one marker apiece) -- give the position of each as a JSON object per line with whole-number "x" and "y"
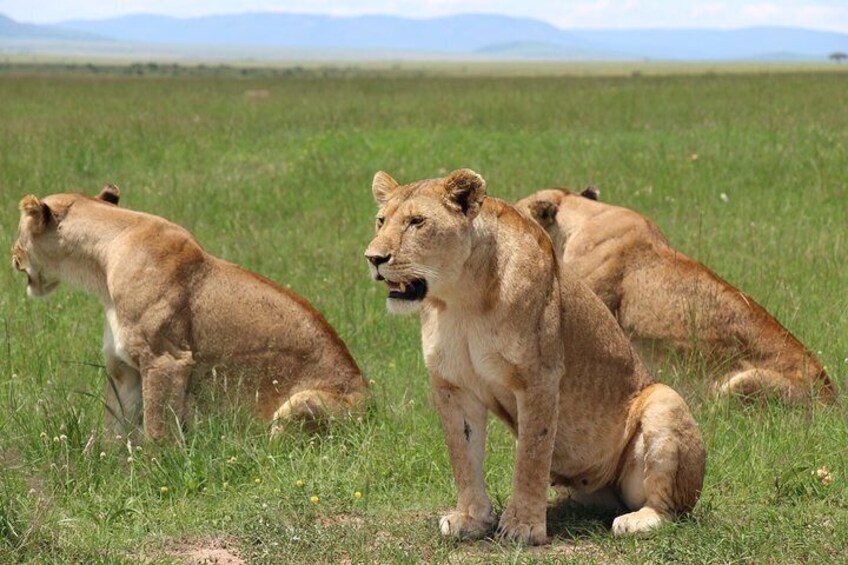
{"x": 506, "y": 330}
{"x": 669, "y": 303}
{"x": 175, "y": 314}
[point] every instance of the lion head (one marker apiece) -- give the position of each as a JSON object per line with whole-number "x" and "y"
{"x": 422, "y": 235}
{"x": 39, "y": 248}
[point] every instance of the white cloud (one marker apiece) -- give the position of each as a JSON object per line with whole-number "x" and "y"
{"x": 707, "y": 10}
{"x": 760, "y": 13}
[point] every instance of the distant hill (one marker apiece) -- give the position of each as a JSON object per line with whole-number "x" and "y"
{"x": 706, "y": 44}
{"x": 10, "y": 29}
{"x": 474, "y": 35}
{"x": 468, "y": 33}
{"x": 545, "y": 50}
{"x": 457, "y": 34}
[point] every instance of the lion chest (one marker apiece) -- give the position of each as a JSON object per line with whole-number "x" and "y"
{"x": 115, "y": 339}
{"x": 469, "y": 356}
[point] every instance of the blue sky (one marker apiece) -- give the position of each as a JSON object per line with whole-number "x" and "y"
{"x": 816, "y": 14}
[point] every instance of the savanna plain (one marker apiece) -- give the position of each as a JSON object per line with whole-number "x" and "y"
{"x": 745, "y": 171}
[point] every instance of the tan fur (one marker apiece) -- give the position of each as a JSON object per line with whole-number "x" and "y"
{"x": 178, "y": 318}
{"x": 672, "y": 306}
{"x": 506, "y": 331}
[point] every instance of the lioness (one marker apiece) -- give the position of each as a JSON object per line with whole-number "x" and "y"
{"x": 504, "y": 329}
{"x": 175, "y": 314}
{"x": 668, "y": 302}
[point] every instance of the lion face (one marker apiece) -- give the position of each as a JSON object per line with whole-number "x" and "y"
{"x": 38, "y": 249}
{"x": 39, "y": 283}
{"x": 422, "y": 235}
{"x": 32, "y": 249}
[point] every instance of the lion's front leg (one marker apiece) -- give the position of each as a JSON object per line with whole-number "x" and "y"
{"x": 524, "y": 518}
{"x": 122, "y": 392}
{"x": 464, "y": 423}
{"x": 123, "y": 399}
{"x": 165, "y": 382}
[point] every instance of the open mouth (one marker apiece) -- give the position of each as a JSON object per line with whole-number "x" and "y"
{"x": 412, "y": 290}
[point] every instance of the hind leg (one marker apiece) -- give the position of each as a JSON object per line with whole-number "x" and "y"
{"x": 663, "y": 470}
{"x": 755, "y": 383}
{"x": 313, "y": 406}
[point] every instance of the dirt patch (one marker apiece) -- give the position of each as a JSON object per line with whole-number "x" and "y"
{"x": 210, "y": 557}
{"x": 340, "y": 520}
{"x": 485, "y": 551}
{"x": 257, "y": 94}
{"x": 205, "y": 552}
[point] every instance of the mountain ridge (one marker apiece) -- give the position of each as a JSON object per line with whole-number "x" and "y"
{"x": 490, "y": 34}
{"x": 10, "y": 28}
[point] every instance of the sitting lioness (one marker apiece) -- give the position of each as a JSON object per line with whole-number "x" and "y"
{"x": 175, "y": 315}
{"x": 671, "y": 305}
{"x": 506, "y": 330}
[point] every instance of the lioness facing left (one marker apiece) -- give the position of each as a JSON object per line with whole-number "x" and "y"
{"x": 175, "y": 314}
{"x": 506, "y": 330}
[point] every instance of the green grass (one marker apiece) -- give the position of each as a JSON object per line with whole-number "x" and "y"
{"x": 281, "y": 185}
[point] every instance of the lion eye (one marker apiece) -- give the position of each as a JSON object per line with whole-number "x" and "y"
{"x": 380, "y": 221}
{"x": 416, "y": 221}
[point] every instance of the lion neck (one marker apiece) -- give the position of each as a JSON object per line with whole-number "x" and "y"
{"x": 492, "y": 250}
{"x": 85, "y": 244}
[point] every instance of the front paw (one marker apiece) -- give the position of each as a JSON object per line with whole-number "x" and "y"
{"x": 463, "y": 525}
{"x": 520, "y": 529}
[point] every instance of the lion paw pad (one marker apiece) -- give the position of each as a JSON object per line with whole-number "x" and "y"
{"x": 523, "y": 532}
{"x": 462, "y": 525}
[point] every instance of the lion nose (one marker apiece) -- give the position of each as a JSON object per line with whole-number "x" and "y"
{"x": 378, "y": 260}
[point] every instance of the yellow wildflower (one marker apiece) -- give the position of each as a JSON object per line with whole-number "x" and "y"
{"x": 823, "y": 475}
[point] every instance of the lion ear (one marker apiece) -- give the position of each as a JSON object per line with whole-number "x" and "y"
{"x": 382, "y": 186}
{"x": 30, "y": 205}
{"x": 544, "y": 212}
{"x": 110, "y": 193}
{"x": 591, "y": 192}
{"x": 37, "y": 210}
{"x": 466, "y": 189}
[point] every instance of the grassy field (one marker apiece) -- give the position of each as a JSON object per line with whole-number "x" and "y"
{"x": 274, "y": 173}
